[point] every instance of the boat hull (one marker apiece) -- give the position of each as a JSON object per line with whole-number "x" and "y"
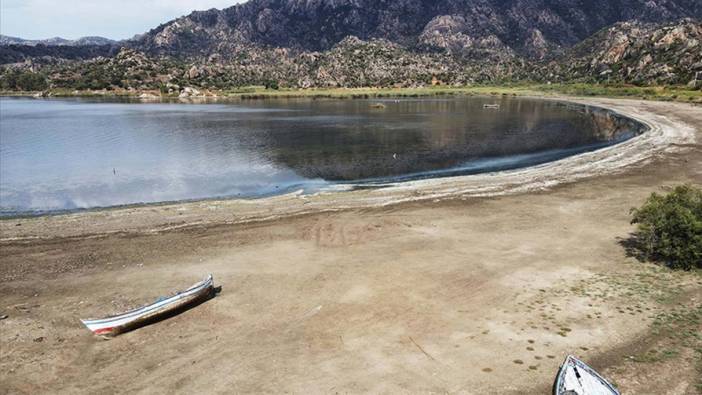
{"x": 159, "y": 310}
{"x": 577, "y": 378}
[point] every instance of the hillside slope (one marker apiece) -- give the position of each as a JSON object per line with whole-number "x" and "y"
{"x": 637, "y": 53}
{"x": 56, "y": 41}
{"x": 353, "y": 43}
{"x": 532, "y": 28}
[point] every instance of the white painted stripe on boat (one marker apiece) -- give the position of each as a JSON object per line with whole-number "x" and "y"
{"x": 134, "y": 314}
{"x": 147, "y": 308}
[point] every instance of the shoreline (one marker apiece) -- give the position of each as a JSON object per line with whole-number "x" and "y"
{"x": 381, "y": 182}
{"x": 680, "y": 94}
{"x": 663, "y": 135}
{"x": 478, "y": 285}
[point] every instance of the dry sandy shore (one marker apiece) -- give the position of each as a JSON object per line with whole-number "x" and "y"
{"x": 478, "y": 284}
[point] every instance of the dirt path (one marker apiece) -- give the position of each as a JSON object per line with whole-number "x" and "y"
{"x": 462, "y": 294}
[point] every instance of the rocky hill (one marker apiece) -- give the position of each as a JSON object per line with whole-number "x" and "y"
{"x": 637, "y": 53}
{"x": 21, "y": 55}
{"x": 56, "y": 41}
{"x": 532, "y": 28}
{"x": 354, "y": 43}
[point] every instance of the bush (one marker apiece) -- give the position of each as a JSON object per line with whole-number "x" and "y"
{"x": 271, "y": 84}
{"x": 670, "y": 227}
{"x": 18, "y": 80}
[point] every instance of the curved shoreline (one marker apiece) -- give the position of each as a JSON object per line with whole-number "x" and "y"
{"x": 609, "y": 128}
{"x": 664, "y": 135}
{"x": 438, "y": 296}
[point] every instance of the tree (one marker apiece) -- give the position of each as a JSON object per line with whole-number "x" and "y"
{"x": 271, "y": 84}
{"x": 669, "y": 227}
{"x": 19, "y": 80}
{"x": 32, "y": 82}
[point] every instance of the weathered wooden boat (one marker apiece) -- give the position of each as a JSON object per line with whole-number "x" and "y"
{"x": 576, "y": 378}
{"x": 160, "y": 309}
{"x": 492, "y": 106}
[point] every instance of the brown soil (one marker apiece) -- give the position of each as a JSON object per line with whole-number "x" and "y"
{"x": 454, "y": 294}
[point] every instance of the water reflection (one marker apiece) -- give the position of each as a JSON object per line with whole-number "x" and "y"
{"x": 68, "y": 154}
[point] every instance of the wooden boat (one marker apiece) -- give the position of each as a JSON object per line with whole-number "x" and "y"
{"x": 378, "y": 105}
{"x": 160, "y": 309}
{"x": 492, "y": 106}
{"x": 576, "y": 378}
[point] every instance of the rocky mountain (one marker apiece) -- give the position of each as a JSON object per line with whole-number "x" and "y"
{"x": 56, "y": 41}
{"x": 637, "y": 53}
{"x": 355, "y": 43}
{"x": 531, "y": 28}
{"x": 22, "y": 55}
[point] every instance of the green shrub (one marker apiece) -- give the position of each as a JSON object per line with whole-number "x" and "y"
{"x": 670, "y": 227}
{"x": 271, "y": 84}
{"x": 19, "y": 80}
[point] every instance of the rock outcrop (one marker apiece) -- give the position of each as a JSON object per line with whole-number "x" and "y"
{"x": 351, "y": 43}
{"x": 637, "y": 53}
{"x": 533, "y": 28}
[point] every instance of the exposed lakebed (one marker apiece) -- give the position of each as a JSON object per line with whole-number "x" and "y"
{"x": 72, "y": 154}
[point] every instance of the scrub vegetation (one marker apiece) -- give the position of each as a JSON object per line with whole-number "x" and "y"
{"x": 659, "y": 93}
{"x": 669, "y": 228}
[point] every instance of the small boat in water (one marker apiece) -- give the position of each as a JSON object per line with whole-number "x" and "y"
{"x": 576, "y": 378}
{"x": 492, "y": 106}
{"x": 160, "y": 309}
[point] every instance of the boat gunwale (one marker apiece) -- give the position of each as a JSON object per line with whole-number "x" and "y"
{"x": 577, "y": 362}
{"x": 198, "y": 287}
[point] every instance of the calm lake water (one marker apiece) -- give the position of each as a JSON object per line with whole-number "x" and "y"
{"x": 73, "y": 154}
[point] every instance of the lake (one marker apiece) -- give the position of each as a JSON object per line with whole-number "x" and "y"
{"x": 67, "y": 154}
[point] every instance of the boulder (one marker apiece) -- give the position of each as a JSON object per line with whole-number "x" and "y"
{"x": 189, "y": 92}
{"x": 193, "y": 72}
